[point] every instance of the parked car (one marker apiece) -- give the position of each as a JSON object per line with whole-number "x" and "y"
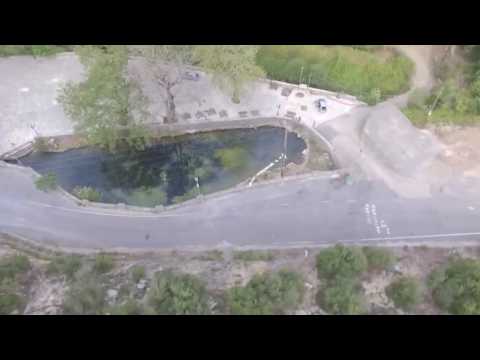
{"x": 321, "y": 105}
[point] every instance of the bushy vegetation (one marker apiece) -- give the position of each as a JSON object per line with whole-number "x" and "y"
{"x": 13, "y": 265}
{"x": 341, "y": 261}
{"x": 177, "y": 294}
{"x": 340, "y": 269}
{"x": 343, "y": 296}
{"x": 87, "y": 193}
{"x": 137, "y": 273}
{"x": 34, "y": 50}
{"x": 11, "y": 268}
{"x": 86, "y": 296}
{"x": 67, "y": 265}
{"x": 378, "y": 259}
{"x": 103, "y": 263}
{"x": 456, "y": 287}
{"x": 130, "y": 307}
{"x": 148, "y": 197}
{"x": 267, "y": 294}
{"x": 456, "y": 98}
{"x": 46, "y": 182}
{"x": 338, "y": 68}
{"x": 405, "y": 293}
{"x": 251, "y": 255}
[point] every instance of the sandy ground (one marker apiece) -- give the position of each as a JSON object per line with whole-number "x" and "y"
{"x": 462, "y": 148}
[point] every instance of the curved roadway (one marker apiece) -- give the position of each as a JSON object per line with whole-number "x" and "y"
{"x": 302, "y": 212}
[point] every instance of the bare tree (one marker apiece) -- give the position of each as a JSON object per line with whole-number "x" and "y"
{"x": 167, "y": 65}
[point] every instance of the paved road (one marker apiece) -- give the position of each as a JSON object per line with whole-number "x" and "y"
{"x": 294, "y": 213}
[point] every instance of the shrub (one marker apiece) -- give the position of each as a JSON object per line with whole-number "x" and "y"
{"x": 341, "y": 261}
{"x": 342, "y": 297}
{"x": 13, "y": 265}
{"x": 338, "y": 68}
{"x": 213, "y": 255}
{"x": 130, "y": 307}
{"x": 9, "y": 298}
{"x": 86, "y": 296}
{"x": 177, "y": 294}
{"x": 68, "y": 265}
{"x": 267, "y": 294}
{"x": 138, "y": 273}
{"x": 456, "y": 288}
{"x": 251, "y": 255}
{"x": 378, "y": 258}
{"x": 46, "y": 182}
{"x": 405, "y": 293}
{"x": 103, "y": 263}
{"x": 87, "y": 193}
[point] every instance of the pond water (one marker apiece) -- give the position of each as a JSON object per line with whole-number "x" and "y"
{"x": 166, "y": 172}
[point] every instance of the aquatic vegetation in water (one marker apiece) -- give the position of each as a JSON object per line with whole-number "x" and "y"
{"x": 232, "y": 159}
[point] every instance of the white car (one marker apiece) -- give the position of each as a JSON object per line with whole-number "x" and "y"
{"x": 321, "y": 105}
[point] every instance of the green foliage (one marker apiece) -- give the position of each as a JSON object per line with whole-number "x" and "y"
{"x": 130, "y": 307}
{"x": 405, "y": 293}
{"x": 177, "y": 294}
{"x": 338, "y": 68}
{"x": 234, "y": 158}
{"x": 87, "y": 193}
{"x": 34, "y": 50}
{"x": 46, "y": 182}
{"x": 190, "y": 194}
{"x": 267, "y": 294}
{"x": 378, "y": 258}
{"x": 103, "y": 263}
{"x": 13, "y": 265}
{"x": 251, "y": 255}
{"x": 40, "y": 145}
{"x": 67, "y": 265}
{"x": 106, "y": 108}
{"x": 232, "y": 66}
{"x": 10, "y": 300}
{"x": 456, "y": 288}
{"x": 341, "y": 261}
{"x": 86, "y": 296}
{"x": 148, "y": 197}
{"x": 138, "y": 273}
{"x": 213, "y": 255}
{"x": 342, "y": 297}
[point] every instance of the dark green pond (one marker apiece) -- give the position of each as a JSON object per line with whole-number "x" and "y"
{"x": 165, "y": 172}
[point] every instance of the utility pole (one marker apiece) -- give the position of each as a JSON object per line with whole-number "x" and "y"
{"x": 284, "y": 159}
{"x": 309, "y": 79}
{"x": 435, "y": 102}
{"x": 198, "y": 185}
{"x": 300, "y": 79}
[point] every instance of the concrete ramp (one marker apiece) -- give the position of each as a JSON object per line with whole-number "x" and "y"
{"x": 389, "y": 136}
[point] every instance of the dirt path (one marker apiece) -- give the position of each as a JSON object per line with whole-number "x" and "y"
{"x": 423, "y": 77}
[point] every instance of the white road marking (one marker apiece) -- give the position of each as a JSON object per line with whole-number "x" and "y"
{"x": 471, "y": 208}
{"x": 24, "y": 89}
{"x": 84, "y": 211}
{"x": 412, "y": 237}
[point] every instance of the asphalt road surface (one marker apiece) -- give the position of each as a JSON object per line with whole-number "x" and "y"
{"x": 302, "y": 212}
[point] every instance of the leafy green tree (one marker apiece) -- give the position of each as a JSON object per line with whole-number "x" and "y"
{"x": 232, "y": 66}
{"x": 341, "y": 261}
{"x": 456, "y": 288}
{"x": 405, "y": 293}
{"x": 107, "y": 108}
{"x": 267, "y": 294}
{"x": 46, "y": 182}
{"x": 103, "y": 263}
{"x": 177, "y": 294}
{"x": 10, "y": 300}
{"x": 343, "y": 296}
